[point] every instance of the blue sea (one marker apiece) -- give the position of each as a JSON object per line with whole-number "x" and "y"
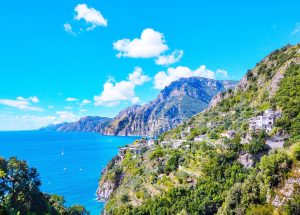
{"x": 76, "y": 173}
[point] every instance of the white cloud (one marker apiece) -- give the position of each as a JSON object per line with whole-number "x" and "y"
{"x": 85, "y": 102}
{"x": 90, "y": 15}
{"x": 25, "y": 122}
{"x": 163, "y": 79}
{"x": 71, "y": 99}
{"x": 221, "y": 74}
{"x": 83, "y": 110}
{"x": 114, "y": 93}
{"x": 174, "y": 57}
{"x": 296, "y": 29}
{"x": 68, "y": 28}
{"x": 34, "y": 99}
{"x": 31, "y": 122}
{"x": 22, "y": 103}
{"x": 150, "y": 44}
{"x": 66, "y": 116}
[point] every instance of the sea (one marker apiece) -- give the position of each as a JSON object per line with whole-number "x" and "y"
{"x": 69, "y": 164}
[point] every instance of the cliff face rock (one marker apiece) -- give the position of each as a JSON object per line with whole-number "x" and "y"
{"x": 176, "y": 103}
{"x": 85, "y": 124}
{"x": 110, "y": 180}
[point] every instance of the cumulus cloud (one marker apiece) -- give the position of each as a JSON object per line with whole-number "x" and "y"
{"x": 221, "y": 74}
{"x": 90, "y": 15}
{"x": 114, "y": 93}
{"x": 71, "y": 99}
{"x": 174, "y": 57}
{"x": 22, "y": 103}
{"x": 68, "y": 28}
{"x": 164, "y": 78}
{"x": 150, "y": 44}
{"x": 85, "y": 102}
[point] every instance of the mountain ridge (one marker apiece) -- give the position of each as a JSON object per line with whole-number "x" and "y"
{"x": 84, "y": 124}
{"x": 220, "y": 161}
{"x": 174, "y": 104}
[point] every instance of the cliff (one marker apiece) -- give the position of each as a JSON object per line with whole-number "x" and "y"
{"x": 176, "y": 103}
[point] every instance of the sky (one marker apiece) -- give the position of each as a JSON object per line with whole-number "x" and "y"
{"x": 61, "y": 60}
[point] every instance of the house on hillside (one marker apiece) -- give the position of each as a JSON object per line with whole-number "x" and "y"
{"x": 150, "y": 143}
{"x": 265, "y": 121}
{"x": 200, "y": 138}
{"x": 229, "y": 134}
{"x": 177, "y": 143}
{"x": 165, "y": 143}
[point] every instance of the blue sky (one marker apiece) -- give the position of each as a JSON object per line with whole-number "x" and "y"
{"x": 60, "y": 60}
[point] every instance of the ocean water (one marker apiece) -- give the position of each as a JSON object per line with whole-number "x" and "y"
{"x": 74, "y": 174}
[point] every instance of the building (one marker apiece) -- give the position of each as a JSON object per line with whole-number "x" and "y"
{"x": 200, "y": 138}
{"x": 177, "y": 143}
{"x": 165, "y": 143}
{"x": 228, "y": 134}
{"x": 150, "y": 143}
{"x": 265, "y": 121}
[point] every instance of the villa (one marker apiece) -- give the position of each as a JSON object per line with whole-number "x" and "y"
{"x": 265, "y": 121}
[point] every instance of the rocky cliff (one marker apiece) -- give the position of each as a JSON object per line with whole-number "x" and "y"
{"x": 175, "y": 104}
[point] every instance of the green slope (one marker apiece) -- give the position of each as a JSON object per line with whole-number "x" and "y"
{"x": 207, "y": 177}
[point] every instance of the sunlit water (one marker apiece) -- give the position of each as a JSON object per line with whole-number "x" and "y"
{"x": 69, "y": 163}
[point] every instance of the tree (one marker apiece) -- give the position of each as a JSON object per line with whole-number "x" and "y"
{"x": 20, "y": 192}
{"x": 77, "y": 210}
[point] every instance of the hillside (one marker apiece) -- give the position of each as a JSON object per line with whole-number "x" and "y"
{"x": 239, "y": 156}
{"x": 176, "y": 103}
{"x": 84, "y": 124}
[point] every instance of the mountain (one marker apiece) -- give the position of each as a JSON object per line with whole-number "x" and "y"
{"x": 174, "y": 104}
{"x": 222, "y": 160}
{"x": 84, "y": 124}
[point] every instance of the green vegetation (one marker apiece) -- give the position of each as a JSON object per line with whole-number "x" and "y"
{"x": 288, "y": 98}
{"x": 20, "y": 193}
{"x": 208, "y": 177}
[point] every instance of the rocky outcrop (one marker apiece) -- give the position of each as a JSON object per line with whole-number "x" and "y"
{"x": 176, "y": 103}
{"x": 246, "y": 160}
{"x": 285, "y": 192}
{"x": 110, "y": 179}
{"x": 85, "y": 124}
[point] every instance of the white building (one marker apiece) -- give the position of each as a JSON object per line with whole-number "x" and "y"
{"x": 150, "y": 143}
{"x": 200, "y": 138}
{"x": 264, "y": 122}
{"x": 229, "y": 134}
